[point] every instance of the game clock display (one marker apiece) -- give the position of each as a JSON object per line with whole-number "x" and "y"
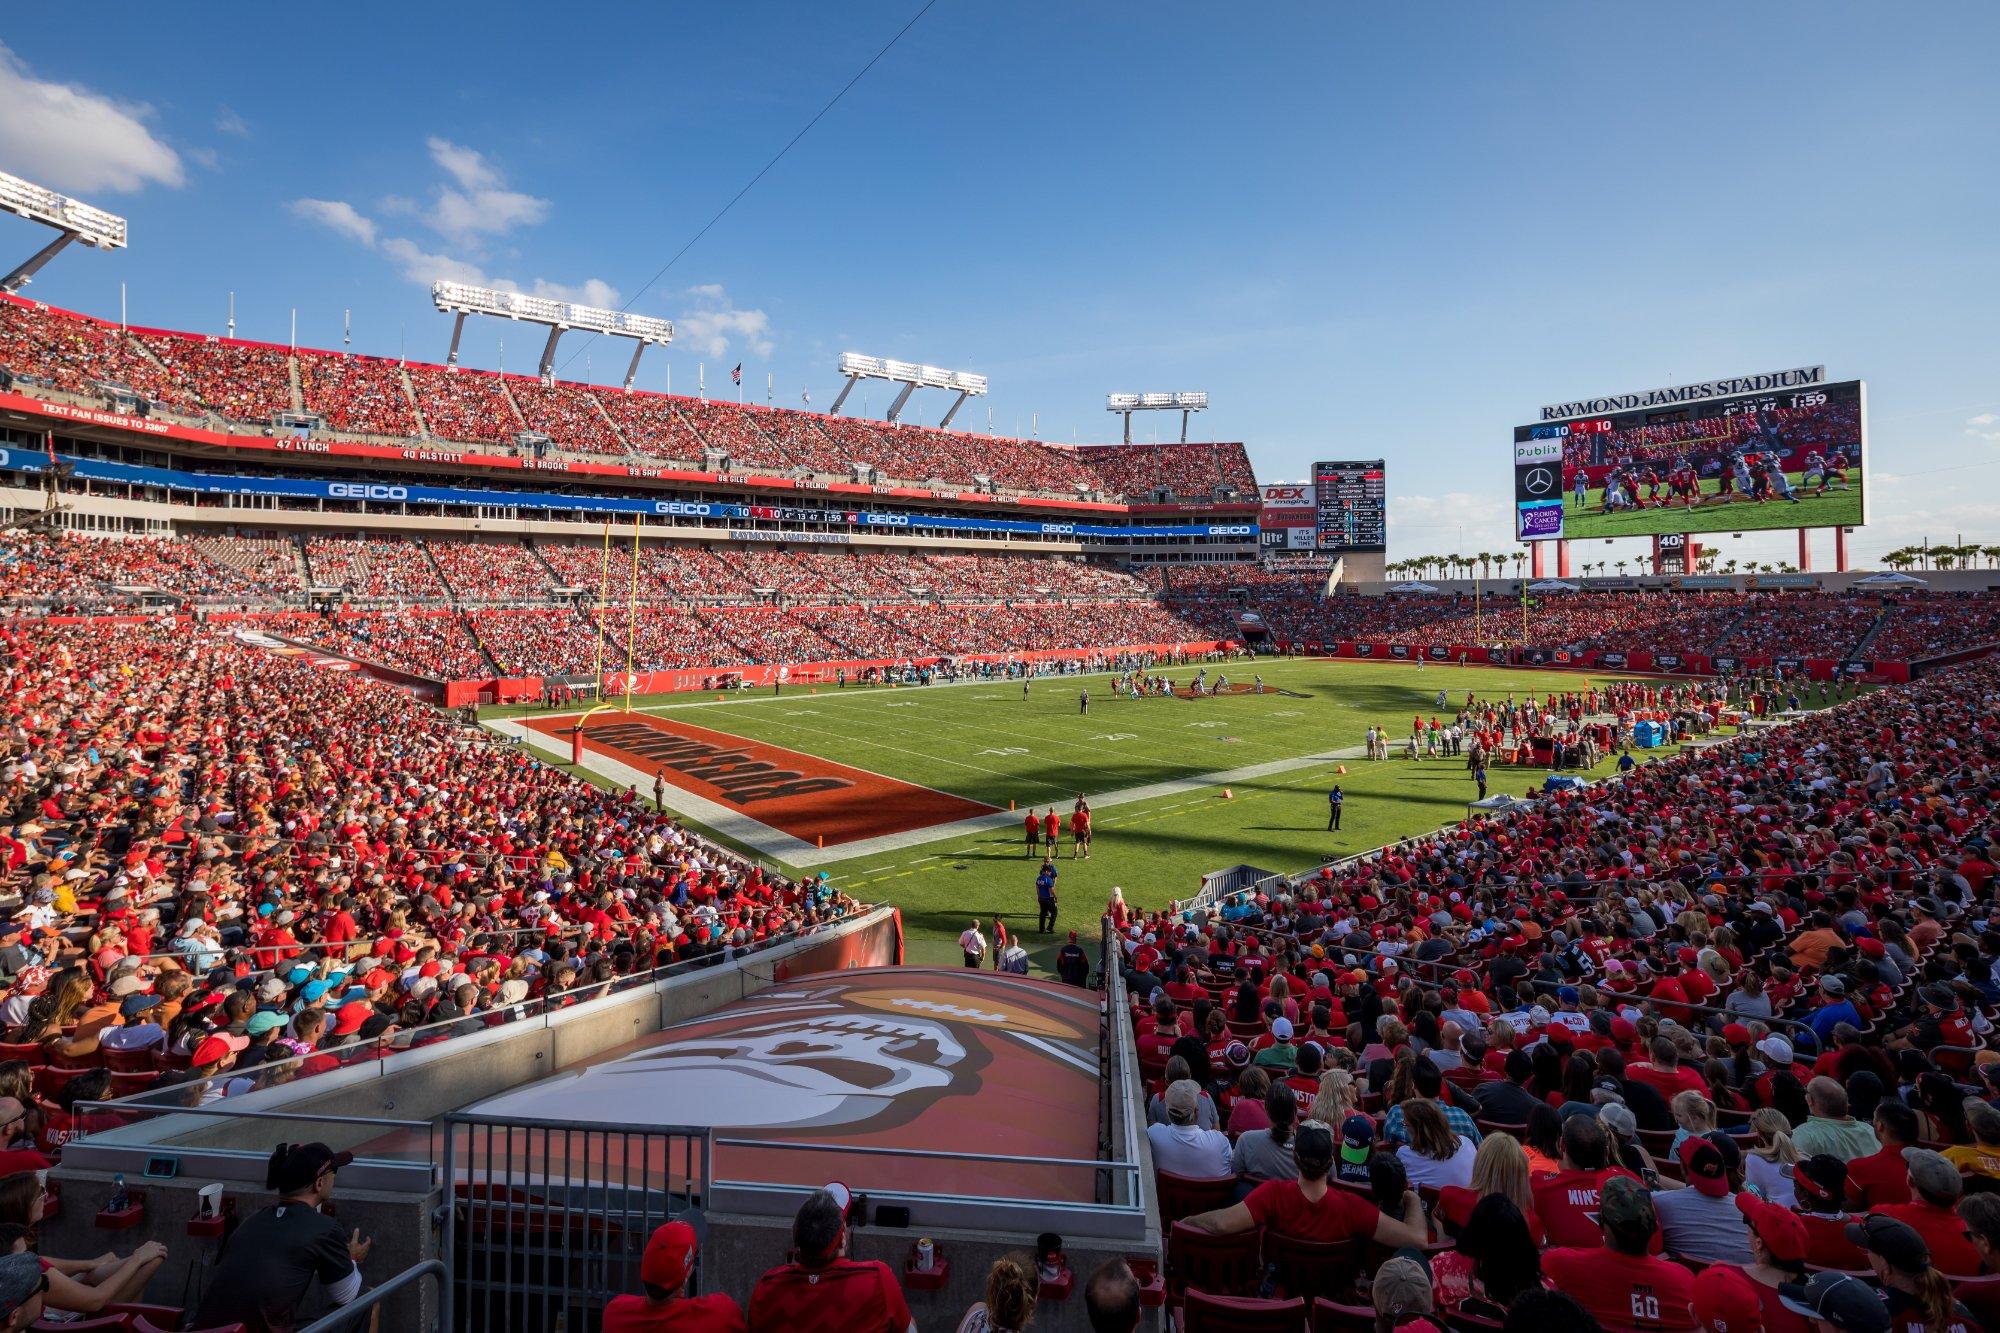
{"x": 1789, "y": 459}
{"x": 1352, "y": 506}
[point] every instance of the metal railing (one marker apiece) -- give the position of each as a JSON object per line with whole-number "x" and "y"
{"x": 556, "y": 1215}
{"x": 344, "y": 1319}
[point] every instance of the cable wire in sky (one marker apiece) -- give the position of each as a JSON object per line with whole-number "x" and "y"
{"x": 763, "y": 171}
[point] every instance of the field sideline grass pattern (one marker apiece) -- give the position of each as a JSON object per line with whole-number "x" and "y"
{"x": 984, "y": 741}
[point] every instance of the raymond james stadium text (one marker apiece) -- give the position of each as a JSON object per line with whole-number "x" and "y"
{"x": 1686, "y": 393}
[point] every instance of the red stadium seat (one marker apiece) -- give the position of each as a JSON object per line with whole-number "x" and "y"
{"x": 1218, "y": 1264}
{"x": 1184, "y": 1196}
{"x": 1205, "y": 1313}
{"x": 1312, "y": 1269}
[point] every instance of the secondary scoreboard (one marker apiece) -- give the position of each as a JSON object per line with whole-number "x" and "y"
{"x": 1352, "y": 505}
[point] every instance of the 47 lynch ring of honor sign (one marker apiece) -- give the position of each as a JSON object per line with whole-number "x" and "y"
{"x": 1779, "y": 450}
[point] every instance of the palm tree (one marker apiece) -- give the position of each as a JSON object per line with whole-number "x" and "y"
{"x": 1729, "y": 565}
{"x": 1992, "y": 554}
{"x": 1621, "y": 567}
{"x": 1944, "y": 556}
{"x": 1899, "y": 559}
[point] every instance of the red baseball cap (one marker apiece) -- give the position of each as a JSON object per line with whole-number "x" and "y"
{"x": 669, "y": 1256}
{"x": 1736, "y": 1034}
{"x": 1726, "y": 1302}
{"x": 13, "y": 1163}
{"x": 1781, "y": 1229}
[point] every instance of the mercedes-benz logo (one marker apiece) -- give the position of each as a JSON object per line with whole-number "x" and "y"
{"x": 1539, "y": 481}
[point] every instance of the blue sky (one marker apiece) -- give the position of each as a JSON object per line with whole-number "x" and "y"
{"x": 1393, "y": 230}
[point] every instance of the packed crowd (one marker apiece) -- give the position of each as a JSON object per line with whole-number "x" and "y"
{"x": 66, "y": 569}
{"x": 568, "y": 414}
{"x": 1188, "y": 471}
{"x": 1925, "y": 626}
{"x": 374, "y": 567}
{"x": 1704, "y": 1048}
{"x": 251, "y": 382}
{"x": 438, "y": 644}
{"x": 1776, "y": 624}
{"x": 495, "y": 571}
{"x": 463, "y": 404}
{"x": 239, "y": 380}
{"x": 240, "y": 869}
{"x": 360, "y": 395}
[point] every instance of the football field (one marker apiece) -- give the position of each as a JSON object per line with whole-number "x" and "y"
{"x": 1835, "y": 509}
{"x": 915, "y": 795}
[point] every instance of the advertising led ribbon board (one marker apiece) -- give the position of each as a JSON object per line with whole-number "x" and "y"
{"x": 1352, "y": 505}
{"x": 1788, "y": 458}
{"x": 301, "y": 488}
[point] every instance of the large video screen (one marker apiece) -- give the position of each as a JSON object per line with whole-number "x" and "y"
{"x": 1352, "y": 505}
{"x": 1792, "y": 459}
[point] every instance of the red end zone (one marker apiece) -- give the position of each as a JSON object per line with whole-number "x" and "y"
{"x": 798, "y": 794}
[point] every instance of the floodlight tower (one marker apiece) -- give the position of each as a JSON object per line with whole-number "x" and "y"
{"x": 459, "y": 300}
{"x": 1125, "y": 404}
{"x": 73, "y": 220}
{"x": 912, "y": 377}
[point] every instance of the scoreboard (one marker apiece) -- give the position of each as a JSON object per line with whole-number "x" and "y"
{"x": 1793, "y": 457}
{"x": 1352, "y": 505}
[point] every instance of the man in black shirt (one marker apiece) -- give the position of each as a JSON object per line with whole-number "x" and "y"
{"x": 1072, "y": 963}
{"x": 271, "y": 1261}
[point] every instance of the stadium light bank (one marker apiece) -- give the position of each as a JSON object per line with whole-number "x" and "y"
{"x": 912, "y": 377}
{"x": 459, "y": 300}
{"x": 72, "y": 218}
{"x": 1125, "y": 404}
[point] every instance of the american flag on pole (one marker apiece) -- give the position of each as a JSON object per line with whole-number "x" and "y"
{"x": 736, "y": 375}
{"x": 52, "y": 448}
{"x": 805, "y": 396}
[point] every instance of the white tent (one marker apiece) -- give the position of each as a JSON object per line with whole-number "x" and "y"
{"x": 1413, "y": 587}
{"x": 1886, "y": 579}
{"x": 1553, "y": 585}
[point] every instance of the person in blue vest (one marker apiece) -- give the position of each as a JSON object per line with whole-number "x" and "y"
{"x": 1045, "y": 897}
{"x": 1334, "y": 800}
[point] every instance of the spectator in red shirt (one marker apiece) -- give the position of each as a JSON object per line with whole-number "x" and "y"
{"x": 1932, "y": 1212}
{"x": 1884, "y": 1177}
{"x": 1620, "y": 1284}
{"x": 1308, "y": 1209}
{"x": 1664, "y": 1073}
{"x": 1567, "y": 1202}
{"x": 825, "y": 1291}
{"x": 664, "y": 1271}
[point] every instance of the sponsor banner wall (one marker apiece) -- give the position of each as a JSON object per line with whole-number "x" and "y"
{"x": 459, "y": 692}
{"x": 479, "y": 459}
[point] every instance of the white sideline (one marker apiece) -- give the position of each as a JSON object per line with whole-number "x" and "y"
{"x": 781, "y": 846}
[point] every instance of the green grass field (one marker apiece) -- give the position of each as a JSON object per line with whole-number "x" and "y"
{"x": 983, "y": 741}
{"x": 1835, "y": 509}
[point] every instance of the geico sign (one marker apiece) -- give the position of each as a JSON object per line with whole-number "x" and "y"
{"x": 685, "y": 508}
{"x": 1059, "y": 529}
{"x": 356, "y": 490}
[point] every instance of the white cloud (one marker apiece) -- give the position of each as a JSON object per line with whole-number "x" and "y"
{"x": 715, "y": 324}
{"x": 479, "y": 204}
{"x": 228, "y": 122}
{"x": 475, "y": 204}
{"x": 337, "y": 214}
{"x": 1982, "y": 426}
{"x": 66, "y": 136}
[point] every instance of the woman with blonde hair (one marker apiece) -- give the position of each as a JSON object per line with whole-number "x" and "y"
{"x": 1694, "y": 1115}
{"x": 1009, "y": 1306}
{"x": 1772, "y": 1161}
{"x": 1499, "y": 1166}
{"x": 1336, "y": 1099}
